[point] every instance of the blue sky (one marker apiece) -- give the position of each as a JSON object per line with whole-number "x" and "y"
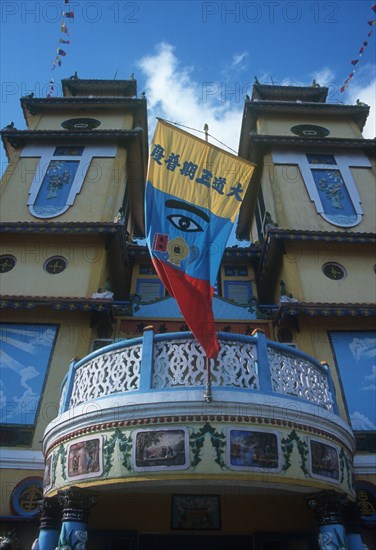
{"x": 195, "y": 60}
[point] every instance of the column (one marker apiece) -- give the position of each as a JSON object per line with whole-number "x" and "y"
{"x": 329, "y": 508}
{"x": 76, "y": 504}
{"x": 353, "y": 525}
{"x": 49, "y": 527}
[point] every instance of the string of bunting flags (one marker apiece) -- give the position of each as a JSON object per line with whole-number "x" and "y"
{"x": 64, "y": 39}
{"x": 354, "y": 62}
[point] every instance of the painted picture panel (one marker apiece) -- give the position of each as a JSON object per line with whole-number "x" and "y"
{"x": 324, "y": 460}
{"x": 355, "y": 356}
{"x": 85, "y": 459}
{"x": 252, "y": 449}
{"x": 47, "y": 478}
{"x": 25, "y": 354}
{"x": 201, "y": 512}
{"x": 161, "y": 449}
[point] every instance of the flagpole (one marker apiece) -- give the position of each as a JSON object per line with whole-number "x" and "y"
{"x": 208, "y": 391}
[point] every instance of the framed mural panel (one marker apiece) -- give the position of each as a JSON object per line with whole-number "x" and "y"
{"x": 196, "y": 512}
{"x": 47, "y": 478}
{"x": 85, "y": 459}
{"x": 26, "y": 351}
{"x": 354, "y": 353}
{"x": 161, "y": 449}
{"x": 253, "y": 450}
{"x": 323, "y": 460}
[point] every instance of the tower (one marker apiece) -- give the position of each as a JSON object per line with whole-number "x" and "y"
{"x": 312, "y": 209}
{"x": 71, "y": 197}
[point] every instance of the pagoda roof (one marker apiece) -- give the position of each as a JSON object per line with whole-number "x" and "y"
{"x": 275, "y": 92}
{"x": 32, "y": 105}
{"x": 75, "y": 86}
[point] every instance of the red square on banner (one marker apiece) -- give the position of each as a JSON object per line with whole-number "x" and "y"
{"x": 160, "y": 242}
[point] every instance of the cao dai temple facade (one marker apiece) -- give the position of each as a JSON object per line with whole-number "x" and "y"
{"x": 108, "y": 440}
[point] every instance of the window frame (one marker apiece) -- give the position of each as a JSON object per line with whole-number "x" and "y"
{"x": 45, "y": 153}
{"x": 344, "y": 160}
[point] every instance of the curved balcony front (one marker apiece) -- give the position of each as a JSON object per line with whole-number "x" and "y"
{"x": 137, "y": 414}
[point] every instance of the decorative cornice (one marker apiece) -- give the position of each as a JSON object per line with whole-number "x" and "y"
{"x": 231, "y": 419}
{"x": 17, "y": 138}
{"x": 293, "y": 309}
{"x": 268, "y": 142}
{"x": 56, "y": 303}
{"x": 328, "y": 236}
{"x": 62, "y": 228}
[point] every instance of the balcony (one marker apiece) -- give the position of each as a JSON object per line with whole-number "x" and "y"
{"x": 137, "y": 411}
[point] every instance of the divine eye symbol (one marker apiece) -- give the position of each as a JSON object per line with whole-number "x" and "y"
{"x": 184, "y": 223}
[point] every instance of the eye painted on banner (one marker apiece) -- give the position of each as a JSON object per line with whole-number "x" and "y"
{"x": 182, "y": 221}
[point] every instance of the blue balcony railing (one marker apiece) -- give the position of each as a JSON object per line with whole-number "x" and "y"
{"x": 176, "y": 362}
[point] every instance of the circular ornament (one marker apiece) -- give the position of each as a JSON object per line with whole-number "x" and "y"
{"x": 7, "y": 262}
{"x": 55, "y": 265}
{"x": 25, "y": 496}
{"x": 81, "y": 124}
{"x": 309, "y": 130}
{"x": 178, "y": 249}
{"x": 334, "y": 271}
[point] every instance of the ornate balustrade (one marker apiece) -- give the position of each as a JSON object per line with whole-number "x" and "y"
{"x": 138, "y": 411}
{"x": 173, "y": 362}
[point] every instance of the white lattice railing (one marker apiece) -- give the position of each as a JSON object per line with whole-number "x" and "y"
{"x": 177, "y": 361}
{"x": 182, "y": 364}
{"x": 108, "y": 373}
{"x": 295, "y": 375}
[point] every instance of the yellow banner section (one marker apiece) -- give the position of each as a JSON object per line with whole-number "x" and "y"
{"x": 198, "y": 172}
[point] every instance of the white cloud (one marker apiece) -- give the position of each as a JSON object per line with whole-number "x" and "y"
{"x": 363, "y": 348}
{"x": 324, "y": 77}
{"x": 238, "y": 58}
{"x": 366, "y": 94}
{"x": 174, "y": 95}
{"x": 28, "y": 373}
{"x": 371, "y": 377}
{"x": 361, "y": 422}
{"x": 3, "y": 399}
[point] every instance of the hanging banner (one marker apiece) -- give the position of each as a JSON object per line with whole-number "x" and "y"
{"x": 355, "y": 62}
{"x": 193, "y": 194}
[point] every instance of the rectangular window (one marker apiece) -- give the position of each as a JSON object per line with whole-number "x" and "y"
{"x": 149, "y": 289}
{"x": 239, "y": 292}
{"x": 236, "y": 271}
{"x": 354, "y": 353}
{"x": 147, "y": 269}
{"x": 26, "y": 355}
{"x": 69, "y": 151}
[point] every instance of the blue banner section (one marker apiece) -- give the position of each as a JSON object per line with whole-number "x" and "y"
{"x": 187, "y": 237}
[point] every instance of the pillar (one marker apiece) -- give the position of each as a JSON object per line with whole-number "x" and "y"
{"x": 329, "y": 509}
{"x": 353, "y": 526}
{"x": 76, "y": 504}
{"x": 49, "y": 526}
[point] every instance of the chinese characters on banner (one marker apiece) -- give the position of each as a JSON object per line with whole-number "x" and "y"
{"x": 193, "y": 194}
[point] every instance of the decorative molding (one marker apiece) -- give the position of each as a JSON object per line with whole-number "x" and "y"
{"x": 58, "y": 304}
{"x": 365, "y": 464}
{"x": 21, "y": 460}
